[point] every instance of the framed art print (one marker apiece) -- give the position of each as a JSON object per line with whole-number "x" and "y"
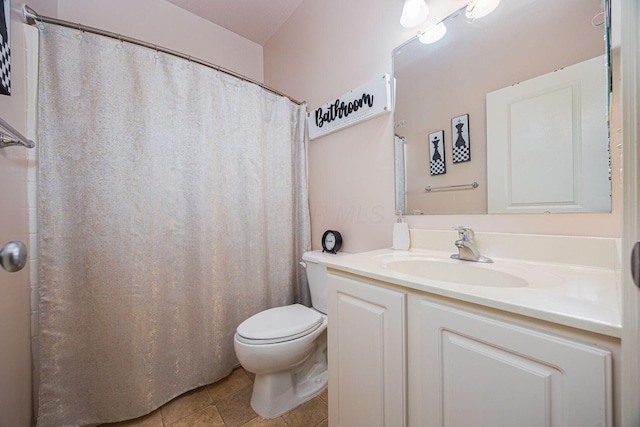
{"x": 5, "y": 43}
{"x": 461, "y": 146}
{"x": 436, "y": 153}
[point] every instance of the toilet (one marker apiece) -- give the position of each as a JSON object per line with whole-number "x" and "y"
{"x": 286, "y": 347}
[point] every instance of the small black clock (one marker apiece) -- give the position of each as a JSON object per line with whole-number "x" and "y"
{"x": 331, "y": 241}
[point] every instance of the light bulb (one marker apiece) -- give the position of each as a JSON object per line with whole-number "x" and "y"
{"x": 480, "y": 8}
{"x": 414, "y": 13}
{"x": 433, "y": 34}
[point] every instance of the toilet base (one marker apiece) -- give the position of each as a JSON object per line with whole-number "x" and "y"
{"x": 277, "y": 393}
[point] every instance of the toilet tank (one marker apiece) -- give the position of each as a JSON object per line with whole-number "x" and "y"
{"x": 317, "y": 277}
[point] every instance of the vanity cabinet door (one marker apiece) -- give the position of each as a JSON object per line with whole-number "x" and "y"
{"x": 366, "y": 341}
{"x": 481, "y": 372}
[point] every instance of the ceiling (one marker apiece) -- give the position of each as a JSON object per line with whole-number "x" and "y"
{"x": 256, "y": 20}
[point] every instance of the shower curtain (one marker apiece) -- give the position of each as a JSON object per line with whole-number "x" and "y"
{"x": 172, "y": 206}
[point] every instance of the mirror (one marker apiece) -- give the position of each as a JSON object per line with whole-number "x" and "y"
{"x": 493, "y": 118}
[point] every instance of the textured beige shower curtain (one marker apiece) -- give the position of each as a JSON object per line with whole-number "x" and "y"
{"x": 172, "y": 206}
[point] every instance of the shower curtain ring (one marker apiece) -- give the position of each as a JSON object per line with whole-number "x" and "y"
{"x": 156, "y": 55}
{"x": 598, "y": 20}
{"x": 119, "y": 45}
{"x": 189, "y": 62}
{"x": 80, "y": 35}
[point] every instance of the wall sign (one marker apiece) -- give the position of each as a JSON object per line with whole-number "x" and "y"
{"x": 363, "y": 103}
{"x": 437, "y": 163}
{"x": 460, "y": 137}
{"x": 5, "y": 43}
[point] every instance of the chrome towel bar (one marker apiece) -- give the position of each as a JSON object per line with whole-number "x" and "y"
{"x": 473, "y": 185}
{"x": 14, "y": 137}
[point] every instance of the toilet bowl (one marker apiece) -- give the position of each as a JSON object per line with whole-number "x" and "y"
{"x": 286, "y": 347}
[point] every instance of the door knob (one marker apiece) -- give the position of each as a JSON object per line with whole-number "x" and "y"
{"x": 13, "y": 256}
{"x": 635, "y": 263}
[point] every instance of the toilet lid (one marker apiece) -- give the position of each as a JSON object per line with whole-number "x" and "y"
{"x": 280, "y": 323}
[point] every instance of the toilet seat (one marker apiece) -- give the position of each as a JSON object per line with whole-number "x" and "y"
{"x": 279, "y": 324}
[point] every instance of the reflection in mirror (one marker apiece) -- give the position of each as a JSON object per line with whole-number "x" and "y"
{"x": 524, "y": 92}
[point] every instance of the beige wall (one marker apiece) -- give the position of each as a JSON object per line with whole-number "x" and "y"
{"x": 155, "y": 21}
{"x": 328, "y": 48}
{"x": 162, "y": 23}
{"x": 15, "y": 311}
{"x": 324, "y": 50}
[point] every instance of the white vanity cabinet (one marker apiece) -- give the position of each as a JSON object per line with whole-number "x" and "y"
{"x": 483, "y": 372}
{"x": 367, "y": 358}
{"x": 399, "y": 356}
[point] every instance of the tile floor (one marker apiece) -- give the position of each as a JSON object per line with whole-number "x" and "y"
{"x": 226, "y": 404}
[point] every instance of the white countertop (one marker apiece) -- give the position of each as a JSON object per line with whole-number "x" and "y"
{"x": 579, "y": 296}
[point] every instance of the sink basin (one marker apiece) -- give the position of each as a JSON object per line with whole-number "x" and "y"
{"x": 462, "y": 272}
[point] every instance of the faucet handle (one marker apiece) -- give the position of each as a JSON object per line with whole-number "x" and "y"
{"x": 465, "y": 233}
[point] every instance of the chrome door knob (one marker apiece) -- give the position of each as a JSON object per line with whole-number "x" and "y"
{"x": 13, "y": 256}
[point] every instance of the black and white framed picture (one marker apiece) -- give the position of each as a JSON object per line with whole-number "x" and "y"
{"x": 460, "y": 137}
{"x": 5, "y": 52}
{"x": 436, "y": 153}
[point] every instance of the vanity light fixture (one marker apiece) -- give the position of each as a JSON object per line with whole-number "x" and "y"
{"x": 414, "y": 13}
{"x": 433, "y": 34}
{"x": 480, "y": 8}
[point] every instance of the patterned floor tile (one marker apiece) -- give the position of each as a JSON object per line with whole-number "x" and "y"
{"x": 224, "y": 388}
{"x": 236, "y": 409}
{"x": 208, "y": 417}
{"x": 154, "y": 419}
{"x": 227, "y": 404}
{"x": 260, "y": 422}
{"x": 308, "y": 414}
{"x": 185, "y": 405}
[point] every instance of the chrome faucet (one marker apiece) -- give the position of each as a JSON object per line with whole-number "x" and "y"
{"x": 466, "y": 244}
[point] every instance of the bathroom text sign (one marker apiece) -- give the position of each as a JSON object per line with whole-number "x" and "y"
{"x": 363, "y": 103}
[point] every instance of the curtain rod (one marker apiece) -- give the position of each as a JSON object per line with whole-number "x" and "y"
{"x": 32, "y": 18}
